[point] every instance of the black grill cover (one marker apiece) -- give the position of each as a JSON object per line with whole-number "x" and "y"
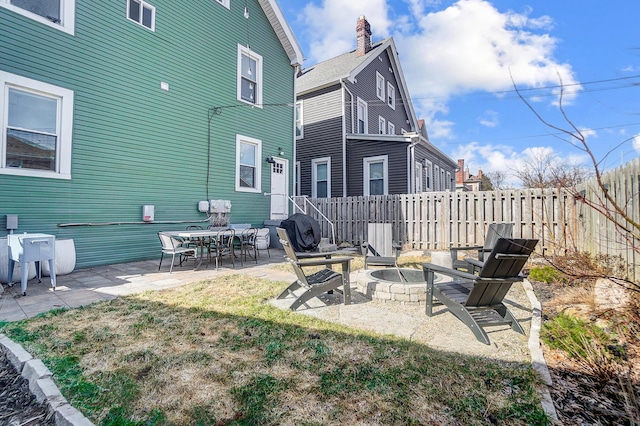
{"x": 303, "y": 231}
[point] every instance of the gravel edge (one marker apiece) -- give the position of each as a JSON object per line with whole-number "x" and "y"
{"x": 537, "y": 356}
{"x": 42, "y": 385}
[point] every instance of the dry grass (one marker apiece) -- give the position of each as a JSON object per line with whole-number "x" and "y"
{"x": 214, "y": 352}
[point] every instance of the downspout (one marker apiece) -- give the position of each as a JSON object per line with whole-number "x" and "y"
{"x": 344, "y": 135}
{"x": 415, "y": 139}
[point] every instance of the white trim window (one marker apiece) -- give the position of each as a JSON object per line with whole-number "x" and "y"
{"x": 363, "y": 117}
{"x": 391, "y": 95}
{"x": 449, "y": 181}
{"x": 392, "y": 129}
{"x": 376, "y": 175}
{"x": 58, "y": 14}
{"x": 225, "y": 3}
{"x": 443, "y": 182}
{"x": 321, "y": 177}
{"x": 382, "y": 125}
{"x": 428, "y": 175}
{"x": 249, "y": 76}
{"x": 299, "y": 120}
{"x": 296, "y": 185}
{"x": 36, "y": 121}
{"x": 142, "y": 13}
{"x": 379, "y": 86}
{"x": 418, "y": 177}
{"x": 436, "y": 178}
{"x": 248, "y": 164}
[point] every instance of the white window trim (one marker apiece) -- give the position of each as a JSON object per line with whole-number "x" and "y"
{"x": 380, "y": 79}
{"x": 258, "y": 143}
{"x": 242, "y": 50}
{"x": 385, "y": 166}
{"x": 392, "y": 129}
{"x": 419, "y": 175}
{"x": 297, "y": 179}
{"x": 382, "y": 125}
{"x": 67, "y": 15}
{"x": 428, "y": 166}
{"x": 449, "y": 183}
{"x": 225, "y": 3}
{"x": 436, "y": 178}
{"x": 144, "y": 3}
{"x": 65, "y": 124}
{"x": 314, "y": 178}
{"x": 365, "y": 108}
{"x": 299, "y": 119}
{"x": 391, "y": 90}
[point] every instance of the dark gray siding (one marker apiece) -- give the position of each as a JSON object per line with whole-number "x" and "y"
{"x": 365, "y": 88}
{"x": 358, "y": 150}
{"x": 322, "y": 120}
{"x": 425, "y": 152}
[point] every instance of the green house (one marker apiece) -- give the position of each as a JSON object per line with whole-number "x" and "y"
{"x": 110, "y": 106}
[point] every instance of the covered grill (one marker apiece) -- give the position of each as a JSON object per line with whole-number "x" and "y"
{"x": 303, "y": 230}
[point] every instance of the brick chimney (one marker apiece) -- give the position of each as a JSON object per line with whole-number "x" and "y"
{"x": 460, "y": 173}
{"x": 363, "y": 30}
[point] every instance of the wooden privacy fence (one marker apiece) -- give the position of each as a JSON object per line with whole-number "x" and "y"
{"x": 437, "y": 220}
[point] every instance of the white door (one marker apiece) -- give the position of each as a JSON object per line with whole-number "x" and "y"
{"x": 279, "y": 188}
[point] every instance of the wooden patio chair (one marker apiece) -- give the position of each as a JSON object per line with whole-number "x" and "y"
{"x": 380, "y": 249}
{"x": 477, "y": 300}
{"x": 494, "y": 231}
{"x": 317, "y": 283}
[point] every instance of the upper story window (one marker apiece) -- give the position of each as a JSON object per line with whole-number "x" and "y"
{"x": 376, "y": 172}
{"x": 249, "y": 76}
{"x": 379, "y": 86}
{"x": 391, "y": 96}
{"x": 36, "y": 123}
{"x": 59, "y": 14}
{"x": 428, "y": 174}
{"x": 382, "y": 125}
{"x": 225, "y": 3}
{"x": 363, "y": 120}
{"x": 141, "y": 12}
{"x": 248, "y": 164}
{"x": 321, "y": 177}
{"x": 299, "y": 121}
{"x": 418, "y": 175}
{"x": 392, "y": 129}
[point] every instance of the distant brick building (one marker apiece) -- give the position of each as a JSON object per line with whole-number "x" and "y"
{"x": 466, "y": 181}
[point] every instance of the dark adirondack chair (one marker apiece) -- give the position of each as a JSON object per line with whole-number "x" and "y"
{"x": 494, "y": 231}
{"x": 308, "y": 286}
{"x": 380, "y": 249}
{"x": 477, "y": 300}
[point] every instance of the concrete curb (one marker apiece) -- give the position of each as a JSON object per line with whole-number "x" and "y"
{"x": 42, "y": 385}
{"x": 537, "y": 357}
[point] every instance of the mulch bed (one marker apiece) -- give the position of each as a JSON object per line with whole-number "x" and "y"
{"x": 18, "y": 406}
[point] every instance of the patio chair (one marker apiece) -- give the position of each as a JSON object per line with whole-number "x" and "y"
{"x": 494, "y": 231}
{"x": 174, "y": 246}
{"x": 380, "y": 249}
{"x": 477, "y": 300}
{"x": 317, "y": 283}
{"x": 223, "y": 244}
{"x": 247, "y": 243}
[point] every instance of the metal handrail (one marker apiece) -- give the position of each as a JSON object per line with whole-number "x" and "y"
{"x": 307, "y": 202}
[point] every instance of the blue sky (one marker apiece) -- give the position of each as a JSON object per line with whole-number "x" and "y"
{"x": 458, "y": 58}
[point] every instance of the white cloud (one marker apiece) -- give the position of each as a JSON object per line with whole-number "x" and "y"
{"x": 489, "y": 118}
{"x": 470, "y": 46}
{"x": 636, "y": 143}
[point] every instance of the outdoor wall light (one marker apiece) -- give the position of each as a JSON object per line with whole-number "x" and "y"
{"x": 270, "y": 160}
{"x": 281, "y": 151}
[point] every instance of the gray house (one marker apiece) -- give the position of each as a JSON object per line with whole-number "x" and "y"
{"x": 357, "y": 131}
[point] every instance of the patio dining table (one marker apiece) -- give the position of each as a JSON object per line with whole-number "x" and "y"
{"x": 198, "y": 236}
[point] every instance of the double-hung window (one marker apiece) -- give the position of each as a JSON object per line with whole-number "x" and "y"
{"x": 299, "y": 121}
{"x": 59, "y": 14}
{"x": 225, "y": 3}
{"x": 249, "y": 76}
{"x": 362, "y": 118}
{"x": 36, "y": 123}
{"x": 428, "y": 174}
{"x": 382, "y": 125}
{"x": 376, "y": 172}
{"x": 321, "y": 177}
{"x": 248, "y": 165}
{"x": 141, "y": 12}
{"x": 392, "y": 129}
{"x": 379, "y": 86}
{"x": 418, "y": 177}
{"x": 391, "y": 95}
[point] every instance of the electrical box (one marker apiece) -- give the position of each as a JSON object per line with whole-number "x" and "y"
{"x": 203, "y": 206}
{"x": 148, "y": 213}
{"x": 12, "y": 222}
{"x": 219, "y": 206}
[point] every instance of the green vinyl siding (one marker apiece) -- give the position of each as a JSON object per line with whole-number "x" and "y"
{"x": 135, "y": 144}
